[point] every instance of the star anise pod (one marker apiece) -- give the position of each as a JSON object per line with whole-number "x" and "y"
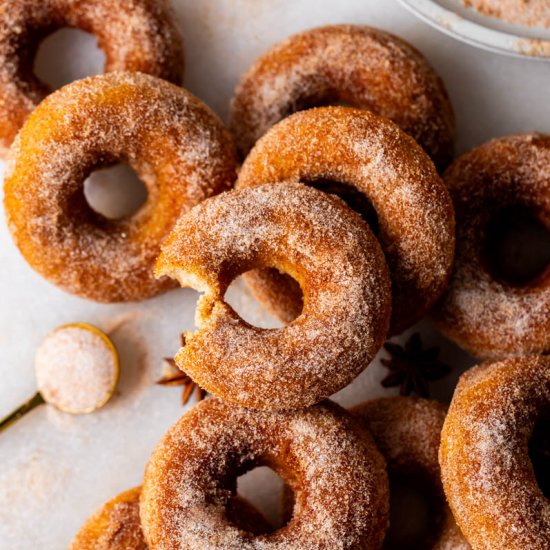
{"x": 412, "y": 366}
{"x": 178, "y": 378}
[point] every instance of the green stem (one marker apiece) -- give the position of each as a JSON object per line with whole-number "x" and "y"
{"x": 26, "y": 407}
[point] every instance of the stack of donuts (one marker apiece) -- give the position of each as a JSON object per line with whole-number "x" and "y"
{"x": 326, "y": 193}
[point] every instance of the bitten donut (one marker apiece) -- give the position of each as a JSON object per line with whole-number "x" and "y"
{"x": 176, "y": 145}
{"x": 337, "y": 475}
{"x": 136, "y": 35}
{"x": 365, "y": 159}
{"x": 482, "y": 313}
{"x": 499, "y": 415}
{"x": 326, "y": 247}
{"x": 117, "y": 526}
{"x": 407, "y": 432}
{"x": 361, "y": 66}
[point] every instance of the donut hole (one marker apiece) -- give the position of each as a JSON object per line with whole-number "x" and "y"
{"x": 414, "y": 507}
{"x": 356, "y": 200}
{"x": 248, "y": 307}
{"x": 539, "y": 452}
{"x": 517, "y": 246}
{"x": 266, "y": 490}
{"x": 115, "y": 192}
{"x": 67, "y": 55}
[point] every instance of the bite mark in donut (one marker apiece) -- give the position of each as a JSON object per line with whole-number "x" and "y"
{"x": 319, "y": 241}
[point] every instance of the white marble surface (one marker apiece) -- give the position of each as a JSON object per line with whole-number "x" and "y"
{"x": 56, "y": 469}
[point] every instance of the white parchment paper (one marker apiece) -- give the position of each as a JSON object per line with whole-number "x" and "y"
{"x": 56, "y": 469}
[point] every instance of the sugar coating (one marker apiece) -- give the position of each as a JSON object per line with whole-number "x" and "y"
{"x": 358, "y": 65}
{"x": 337, "y": 475}
{"x": 407, "y": 431}
{"x": 136, "y": 35}
{"x": 487, "y": 474}
{"x": 326, "y": 247}
{"x": 115, "y": 526}
{"x": 76, "y": 370}
{"x": 533, "y": 13}
{"x": 177, "y": 146}
{"x": 486, "y": 316}
{"x": 373, "y": 156}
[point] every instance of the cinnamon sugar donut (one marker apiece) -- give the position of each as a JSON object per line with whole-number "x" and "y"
{"x": 364, "y": 157}
{"x": 485, "y": 315}
{"x": 407, "y": 431}
{"x": 358, "y": 65}
{"x": 117, "y": 526}
{"x": 326, "y": 247}
{"x": 136, "y": 35}
{"x": 487, "y": 438}
{"x": 337, "y": 475}
{"x": 177, "y": 146}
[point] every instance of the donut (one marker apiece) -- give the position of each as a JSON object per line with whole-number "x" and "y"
{"x": 337, "y": 475}
{"x": 356, "y": 65}
{"x": 365, "y": 159}
{"x": 176, "y": 145}
{"x": 407, "y": 432}
{"x": 484, "y": 314}
{"x": 326, "y": 247}
{"x": 117, "y": 526}
{"x": 135, "y": 35}
{"x": 498, "y": 413}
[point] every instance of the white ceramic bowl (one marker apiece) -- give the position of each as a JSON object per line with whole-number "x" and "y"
{"x": 489, "y": 33}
